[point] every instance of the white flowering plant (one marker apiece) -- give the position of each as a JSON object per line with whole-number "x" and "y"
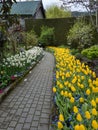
{"x": 15, "y": 66}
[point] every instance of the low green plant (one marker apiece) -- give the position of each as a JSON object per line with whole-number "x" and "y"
{"x": 49, "y": 50}
{"x": 47, "y": 37}
{"x": 81, "y": 35}
{"x": 91, "y": 52}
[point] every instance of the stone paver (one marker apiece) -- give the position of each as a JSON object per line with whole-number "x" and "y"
{"x": 28, "y": 106}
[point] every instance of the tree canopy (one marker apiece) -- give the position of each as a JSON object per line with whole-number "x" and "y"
{"x": 90, "y": 5}
{"x": 57, "y": 12}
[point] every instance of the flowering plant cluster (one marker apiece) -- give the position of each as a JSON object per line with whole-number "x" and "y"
{"x": 76, "y": 93}
{"x": 15, "y": 66}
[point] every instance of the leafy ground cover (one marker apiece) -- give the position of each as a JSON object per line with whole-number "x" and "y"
{"x": 75, "y": 93}
{"x": 16, "y": 66}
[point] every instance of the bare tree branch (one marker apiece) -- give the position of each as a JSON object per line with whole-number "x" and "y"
{"x": 90, "y": 6}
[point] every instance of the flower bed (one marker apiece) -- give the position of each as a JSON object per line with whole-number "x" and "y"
{"x": 16, "y": 66}
{"x": 75, "y": 93}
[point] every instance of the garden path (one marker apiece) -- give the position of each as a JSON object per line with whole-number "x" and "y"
{"x": 28, "y": 106}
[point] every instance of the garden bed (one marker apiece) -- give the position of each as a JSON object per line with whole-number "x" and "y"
{"x": 75, "y": 93}
{"x": 12, "y": 72}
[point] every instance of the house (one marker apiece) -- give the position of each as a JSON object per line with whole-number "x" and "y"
{"x": 28, "y": 9}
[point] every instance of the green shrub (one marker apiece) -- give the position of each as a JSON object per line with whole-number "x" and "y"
{"x": 74, "y": 51}
{"x": 47, "y": 36}
{"x": 91, "y": 52}
{"x": 80, "y": 35}
{"x": 29, "y": 39}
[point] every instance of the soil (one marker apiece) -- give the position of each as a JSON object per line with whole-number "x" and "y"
{"x": 93, "y": 64}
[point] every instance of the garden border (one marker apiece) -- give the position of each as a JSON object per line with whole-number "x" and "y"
{"x": 13, "y": 85}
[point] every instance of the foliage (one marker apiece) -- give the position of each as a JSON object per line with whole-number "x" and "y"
{"x": 63, "y": 46}
{"x": 74, "y": 51}
{"x": 57, "y": 12}
{"x": 61, "y": 27}
{"x": 47, "y": 36}
{"x": 91, "y": 52}
{"x": 6, "y": 6}
{"x": 2, "y": 40}
{"x": 81, "y": 35}
{"x": 50, "y": 50}
{"x": 29, "y": 39}
{"x": 75, "y": 93}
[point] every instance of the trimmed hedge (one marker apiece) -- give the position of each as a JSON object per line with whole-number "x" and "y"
{"x": 61, "y": 27}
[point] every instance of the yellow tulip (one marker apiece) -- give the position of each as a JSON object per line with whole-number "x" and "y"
{"x": 94, "y": 75}
{"x": 94, "y": 112}
{"x": 79, "y": 117}
{"x": 70, "y": 95}
{"x": 93, "y": 103}
{"x": 60, "y": 125}
{"x": 87, "y": 115}
{"x": 89, "y": 80}
{"x": 61, "y": 117}
{"x": 96, "y": 100}
{"x": 88, "y": 92}
{"x": 77, "y": 127}
{"x": 81, "y": 99}
{"x": 62, "y": 92}
{"x": 54, "y": 89}
{"x": 75, "y": 109}
{"x": 66, "y": 94}
{"x": 63, "y": 77}
{"x": 95, "y": 124}
{"x": 72, "y": 100}
{"x": 82, "y": 86}
{"x": 82, "y": 77}
{"x": 73, "y": 89}
{"x": 74, "y": 80}
{"x": 66, "y": 83}
{"x": 60, "y": 86}
{"x": 82, "y": 127}
{"x": 95, "y": 89}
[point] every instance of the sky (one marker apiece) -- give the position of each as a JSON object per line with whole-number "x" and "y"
{"x": 47, "y": 3}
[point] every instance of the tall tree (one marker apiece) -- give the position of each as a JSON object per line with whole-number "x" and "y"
{"x": 6, "y": 6}
{"x": 57, "y": 12}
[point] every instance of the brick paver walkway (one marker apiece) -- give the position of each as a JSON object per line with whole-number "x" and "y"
{"x": 28, "y": 106}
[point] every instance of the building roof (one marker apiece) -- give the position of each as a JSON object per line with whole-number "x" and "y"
{"x": 25, "y": 7}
